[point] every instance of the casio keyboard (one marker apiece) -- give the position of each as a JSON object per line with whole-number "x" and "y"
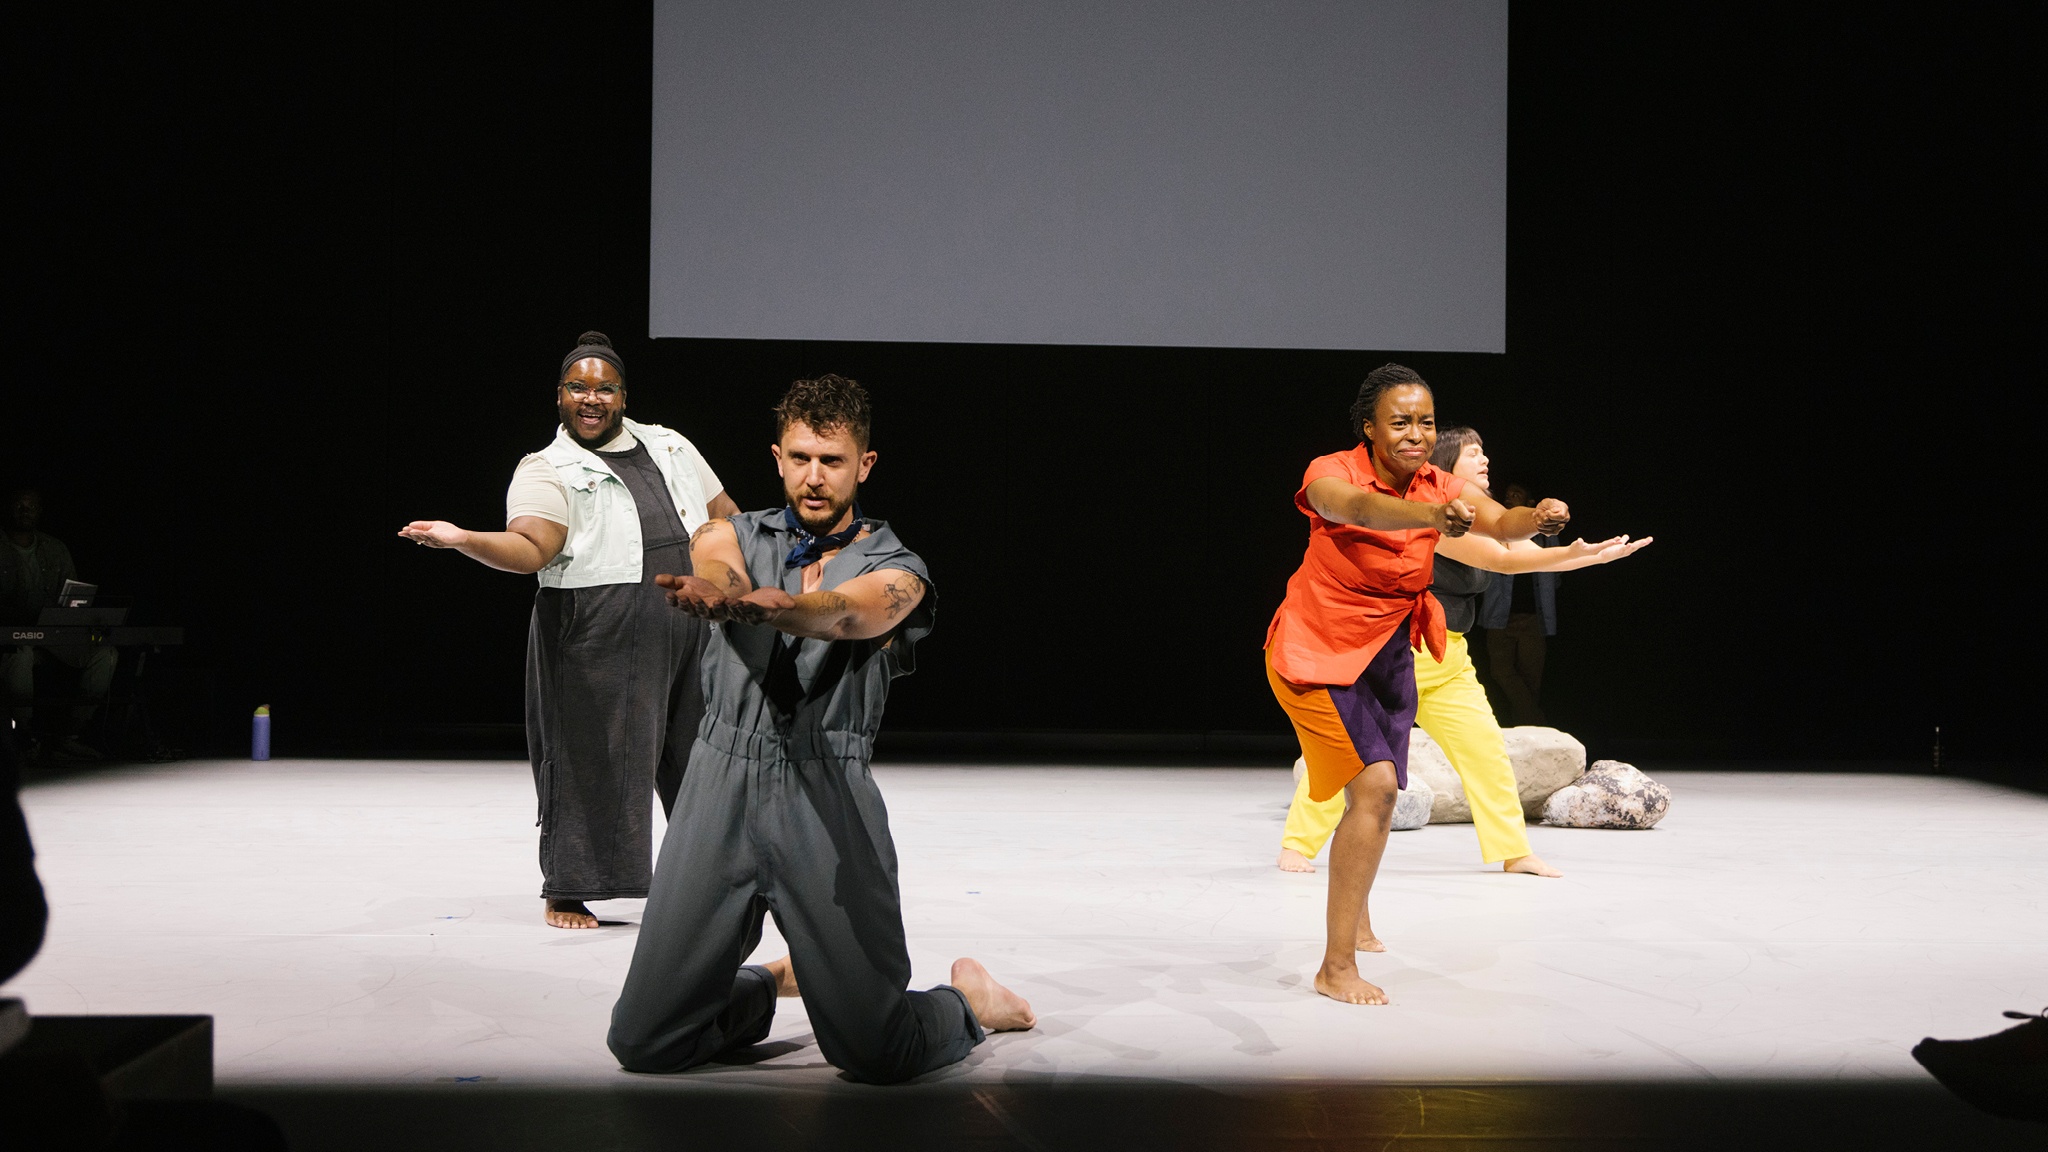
{"x": 115, "y": 635}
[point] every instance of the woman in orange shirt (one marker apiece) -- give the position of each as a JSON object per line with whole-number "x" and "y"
{"x": 1339, "y": 651}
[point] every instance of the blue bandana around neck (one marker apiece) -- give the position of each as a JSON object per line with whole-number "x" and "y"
{"x": 808, "y": 547}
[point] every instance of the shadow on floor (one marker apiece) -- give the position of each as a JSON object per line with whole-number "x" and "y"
{"x": 692, "y": 1113}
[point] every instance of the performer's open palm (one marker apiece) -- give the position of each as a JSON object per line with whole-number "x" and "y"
{"x": 1608, "y": 551}
{"x": 433, "y": 533}
{"x": 760, "y": 606}
{"x": 694, "y": 595}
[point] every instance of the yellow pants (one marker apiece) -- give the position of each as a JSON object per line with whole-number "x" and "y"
{"x": 1452, "y": 708}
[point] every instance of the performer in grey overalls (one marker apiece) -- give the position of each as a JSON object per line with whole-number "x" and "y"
{"x": 817, "y": 610}
{"x": 612, "y": 691}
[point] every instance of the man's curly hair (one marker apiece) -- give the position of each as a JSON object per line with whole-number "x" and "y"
{"x": 828, "y": 403}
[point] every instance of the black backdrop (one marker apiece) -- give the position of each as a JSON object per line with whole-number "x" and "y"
{"x": 282, "y": 286}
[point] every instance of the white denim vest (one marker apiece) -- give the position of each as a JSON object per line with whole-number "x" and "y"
{"x": 603, "y": 545}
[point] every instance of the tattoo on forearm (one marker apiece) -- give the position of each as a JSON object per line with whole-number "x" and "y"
{"x": 833, "y": 602}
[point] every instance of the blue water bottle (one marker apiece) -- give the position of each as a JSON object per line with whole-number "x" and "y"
{"x": 259, "y": 736}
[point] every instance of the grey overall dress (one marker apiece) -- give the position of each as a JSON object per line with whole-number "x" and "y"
{"x": 613, "y": 700}
{"x": 778, "y": 814}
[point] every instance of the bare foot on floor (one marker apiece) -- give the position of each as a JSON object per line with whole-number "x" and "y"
{"x": 569, "y": 914}
{"x": 1346, "y": 985}
{"x": 998, "y": 1008}
{"x": 1292, "y": 861}
{"x": 785, "y": 976}
{"x": 1530, "y": 865}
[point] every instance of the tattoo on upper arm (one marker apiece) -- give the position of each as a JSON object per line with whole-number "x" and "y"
{"x": 732, "y": 580}
{"x": 903, "y": 595}
{"x": 704, "y": 530}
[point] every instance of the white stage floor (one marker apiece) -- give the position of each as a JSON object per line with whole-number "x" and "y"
{"x": 377, "y": 921}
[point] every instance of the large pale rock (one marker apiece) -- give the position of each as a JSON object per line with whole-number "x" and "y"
{"x": 1545, "y": 760}
{"x": 1412, "y": 805}
{"x": 1610, "y": 795}
{"x": 1428, "y": 765}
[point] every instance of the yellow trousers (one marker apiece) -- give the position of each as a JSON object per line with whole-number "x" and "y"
{"x": 1452, "y": 708}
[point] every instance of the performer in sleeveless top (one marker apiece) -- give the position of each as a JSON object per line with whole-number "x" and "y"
{"x": 1339, "y": 651}
{"x": 612, "y": 693}
{"x": 818, "y": 608}
{"x": 1450, "y": 704}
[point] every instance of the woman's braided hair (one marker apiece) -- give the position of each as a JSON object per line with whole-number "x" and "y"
{"x": 1377, "y": 382}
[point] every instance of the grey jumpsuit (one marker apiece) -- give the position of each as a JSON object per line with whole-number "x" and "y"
{"x": 778, "y": 814}
{"x": 612, "y": 703}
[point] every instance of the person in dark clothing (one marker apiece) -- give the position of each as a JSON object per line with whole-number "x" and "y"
{"x": 612, "y": 692}
{"x": 23, "y": 911}
{"x": 818, "y": 608}
{"x": 1519, "y": 613}
{"x": 33, "y": 568}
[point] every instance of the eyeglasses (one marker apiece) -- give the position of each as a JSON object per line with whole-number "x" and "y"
{"x": 600, "y": 391}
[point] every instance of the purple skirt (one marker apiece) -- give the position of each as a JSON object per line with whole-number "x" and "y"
{"x": 1378, "y": 708}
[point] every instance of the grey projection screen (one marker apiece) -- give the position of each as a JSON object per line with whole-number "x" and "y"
{"x": 1195, "y": 173}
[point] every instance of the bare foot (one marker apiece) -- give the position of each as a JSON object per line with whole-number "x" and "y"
{"x": 1531, "y": 865}
{"x": 998, "y": 1008}
{"x": 785, "y": 976}
{"x": 569, "y": 914}
{"x": 1292, "y": 861}
{"x": 1346, "y": 985}
{"x": 1367, "y": 942}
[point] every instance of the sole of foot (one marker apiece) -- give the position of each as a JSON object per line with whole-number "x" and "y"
{"x": 998, "y": 1008}
{"x": 569, "y": 914}
{"x": 1530, "y": 865}
{"x": 785, "y": 976}
{"x": 1292, "y": 861}
{"x": 1348, "y": 987}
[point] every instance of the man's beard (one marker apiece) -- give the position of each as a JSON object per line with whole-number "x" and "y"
{"x": 824, "y": 525}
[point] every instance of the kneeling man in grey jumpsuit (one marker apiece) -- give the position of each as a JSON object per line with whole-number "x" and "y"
{"x": 817, "y": 610}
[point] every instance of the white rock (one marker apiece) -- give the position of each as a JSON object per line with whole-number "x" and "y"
{"x": 1545, "y": 760}
{"x": 1610, "y": 795}
{"x": 1412, "y": 805}
{"x": 1428, "y": 765}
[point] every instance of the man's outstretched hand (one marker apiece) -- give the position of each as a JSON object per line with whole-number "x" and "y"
{"x": 694, "y": 595}
{"x": 761, "y": 606}
{"x": 1552, "y": 516}
{"x": 701, "y": 598}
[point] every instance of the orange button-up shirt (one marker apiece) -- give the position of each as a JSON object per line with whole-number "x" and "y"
{"x": 1355, "y": 585}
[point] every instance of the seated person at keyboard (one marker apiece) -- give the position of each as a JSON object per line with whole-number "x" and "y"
{"x": 33, "y": 567}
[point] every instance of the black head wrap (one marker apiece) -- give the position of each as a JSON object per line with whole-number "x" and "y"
{"x": 593, "y": 344}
